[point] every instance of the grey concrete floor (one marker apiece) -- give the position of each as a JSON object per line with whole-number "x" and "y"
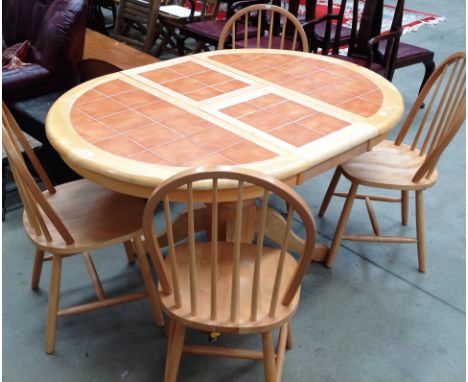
{"x": 373, "y": 317}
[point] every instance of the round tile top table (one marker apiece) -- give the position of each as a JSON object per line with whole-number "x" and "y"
{"x": 288, "y": 114}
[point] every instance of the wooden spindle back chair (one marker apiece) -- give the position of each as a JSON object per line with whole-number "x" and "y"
{"x": 407, "y": 166}
{"x": 272, "y": 23}
{"x": 140, "y": 13}
{"x": 227, "y": 286}
{"x": 76, "y": 217}
{"x": 444, "y": 96}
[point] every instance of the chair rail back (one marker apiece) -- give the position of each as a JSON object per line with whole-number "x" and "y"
{"x": 38, "y": 209}
{"x": 445, "y": 98}
{"x": 364, "y": 41}
{"x": 267, "y": 20}
{"x": 215, "y": 178}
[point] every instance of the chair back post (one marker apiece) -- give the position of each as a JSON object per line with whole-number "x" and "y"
{"x": 444, "y": 95}
{"x": 36, "y": 205}
{"x": 391, "y": 49}
{"x": 239, "y": 179}
{"x": 369, "y": 26}
{"x": 16, "y": 134}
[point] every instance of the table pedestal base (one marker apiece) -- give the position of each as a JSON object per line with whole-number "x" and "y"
{"x": 274, "y": 229}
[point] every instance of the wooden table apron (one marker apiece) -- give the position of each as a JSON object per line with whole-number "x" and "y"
{"x": 287, "y": 114}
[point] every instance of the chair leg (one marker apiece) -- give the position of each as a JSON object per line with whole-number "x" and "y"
{"x": 330, "y": 191}
{"x": 269, "y": 357}
{"x": 341, "y": 225}
{"x": 53, "y": 303}
{"x": 37, "y": 269}
{"x": 174, "y": 353}
{"x": 430, "y": 67}
{"x": 404, "y": 207}
{"x": 280, "y": 350}
{"x": 420, "y": 231}
{"x": 290, "y": 338}
{"x": 130, "y": 251}
{"x": 149, "y": 283}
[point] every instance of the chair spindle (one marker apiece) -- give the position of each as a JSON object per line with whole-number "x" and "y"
{"x": 282, "y": 256}
{"x": 193, "y": 263}
{"x": 172, "y": 253}
{"x": 236, "y": 255}
{"x": 258, "y": 259}
{"x": 214, "y": 250}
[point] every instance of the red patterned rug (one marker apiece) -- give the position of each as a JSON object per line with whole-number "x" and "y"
{"x": 412, "y": 20}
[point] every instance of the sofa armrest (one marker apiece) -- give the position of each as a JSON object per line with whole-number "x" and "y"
{"x": 17, "y": 81}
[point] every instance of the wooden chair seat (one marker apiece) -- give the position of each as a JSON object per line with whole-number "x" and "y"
{"x": 95, "y": 216}
{"x": 244, "y": 324}
{"x": 388, "y": 166}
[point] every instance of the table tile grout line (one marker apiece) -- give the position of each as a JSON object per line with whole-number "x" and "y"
{"x": 382, "y": 268}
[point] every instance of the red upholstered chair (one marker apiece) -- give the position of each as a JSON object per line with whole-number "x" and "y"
{"x": 366, "y": 39}
{"x": 411, "y": 55}
{"x": 321, "y": 30}
{"x": 208, "y": 32}
{"x": 57, "y": 30}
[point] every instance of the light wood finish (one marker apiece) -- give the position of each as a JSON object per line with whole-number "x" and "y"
{"x": 290, "y": 163}
{"x": 267, "y": 17}
{"x": 72, "y": 218}
{"x": 144, "y": 15}
{"x": 224, "y": 352}
{"x": 411, "y": 166}
{"x": 240, "y": 287}
{"x": 101, "y": 47}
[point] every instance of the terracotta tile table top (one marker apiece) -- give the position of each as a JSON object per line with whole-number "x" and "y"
{"x": 278, "y": 112}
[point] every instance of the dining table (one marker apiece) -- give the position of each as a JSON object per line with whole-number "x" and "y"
{"x": 287, "y": 114}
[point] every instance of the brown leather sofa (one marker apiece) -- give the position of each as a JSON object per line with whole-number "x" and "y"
{"x": 56, "y": 29}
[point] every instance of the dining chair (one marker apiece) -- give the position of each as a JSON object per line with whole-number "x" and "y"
{"x": 207, "y": 32}
{"x": 141, "y": 14}
{"x": 411, "y": 55}
{"x": 216, "y": 285}
{"x": 174, "y": 16}
{"x": 272, "y": 23}
{"x": 406, "y": 167}
{"x": 73, "y": 218}
{"x": 366, "y": 37}
{"x": 322, "y": 30}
